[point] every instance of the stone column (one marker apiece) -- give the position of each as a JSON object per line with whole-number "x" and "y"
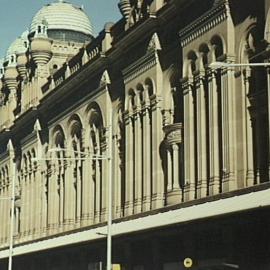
{"x": 176, "y": 163}
{"x": 44, "y": 201}
{"x": 189, "y": 141}
{"x": 104, "y": 180}
{"x": 6, "y": 212}
{"x": 32, "y": 202}
{"x": 23, "y": 199}
{"x": 87, "y": 192}
{"x": 173, "y": 141}
{"x": 250, "y": 176}
{"x": 214, "y": 184}
{"x": 79, "y": 192}
{"x": 51, "y": 205}
{"x": 268, "y": 108}
{"x": 129, "y": 164}
{"x": 117, "y": 185}
{"x": 228, "y": 130}
{"x": 147, "y": 159}
{"x": 38, "y": 197}
{"x": 138, "y": 160}
{"x": 169, "y": 171}
{"x": 27, "y": 204}
{"x": 201, "y": 137}
{"x": 69, "y": 197}
{"x": 61, "y": 193}
{"x": 156, "y": 139}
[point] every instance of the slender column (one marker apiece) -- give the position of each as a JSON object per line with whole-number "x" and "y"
{"x": 32, "y": 203}
{"x": 213, "y": 135}
{"x": 129, "y": 165}
{"x": 201, "y": 138}
{"x": 23, "y": 203}
{"x": 27, "y": 205}
{"x": 117, "y": 163}
{"x": 250, "y": 176}
{"x": 268, "y": 99}
{"x": 2, "y": 210}
{"x": 189, "y": 142}
{"x": 229, "y": 129}
{"x": 169, "y": 171}
{"x": 61, "y": 195}
{"x": 87, "y": 195}
{"x": 176, "y": 163}
{"x": 147, "y": 179}
{"x": 156, "y": 134}
{"x": 17, "y": 216}
{"x": 104, "y": 182}
{"x": 98, "y": 181}
{"x": 56, "y": 202}
{"x": 44, "y": 200}
{"x": 6, "y": 214}
{"x": 69, "y": 198}
{"x": 38, "y": 196}
{"x": 50, "y": 199}
{"x": 79, "y": 190}
{"x": 138, "y": 161}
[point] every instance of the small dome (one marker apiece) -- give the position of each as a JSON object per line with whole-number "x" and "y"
{"x": 62, "y": 17}
{"x": 19, "y": 45}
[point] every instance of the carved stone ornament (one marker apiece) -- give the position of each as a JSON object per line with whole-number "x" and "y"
{"x": 139, "y": 9}
{"x": 154, "y": 43}
{"x": 173, "y": 133}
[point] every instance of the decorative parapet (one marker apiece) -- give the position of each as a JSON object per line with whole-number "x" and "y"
{"x": 85, "y": 56}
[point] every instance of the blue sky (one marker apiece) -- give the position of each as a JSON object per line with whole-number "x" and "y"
{"x": 16, "y": 16}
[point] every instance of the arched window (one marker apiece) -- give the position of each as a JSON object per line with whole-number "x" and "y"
{"x": 97, "y": 147}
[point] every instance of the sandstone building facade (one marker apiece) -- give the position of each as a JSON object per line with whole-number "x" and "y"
{"x": 189, "y": 143}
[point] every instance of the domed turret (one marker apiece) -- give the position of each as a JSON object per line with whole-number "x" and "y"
{"x": 21, "y": 54}
{"x": 15, "y": 55}
{"x": 64, "y": 22}
{"x": 18, "y": 46}
{"x": 125, "y": 8}
{"x": 41, "y": 44}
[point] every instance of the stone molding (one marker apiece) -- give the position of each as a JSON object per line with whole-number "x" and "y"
{"x": 140, "y": 66}
{"x": 203, "y": 24}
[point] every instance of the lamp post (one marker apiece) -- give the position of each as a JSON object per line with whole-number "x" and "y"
{"x": 219, "y": 65}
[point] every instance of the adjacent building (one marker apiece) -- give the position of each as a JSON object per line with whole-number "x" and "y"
{"x": 188, "y": 142}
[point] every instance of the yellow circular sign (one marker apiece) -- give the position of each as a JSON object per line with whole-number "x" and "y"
{"x": 188, "y": 262}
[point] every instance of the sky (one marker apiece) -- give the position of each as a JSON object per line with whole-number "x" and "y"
{"x": 16, "y": 16}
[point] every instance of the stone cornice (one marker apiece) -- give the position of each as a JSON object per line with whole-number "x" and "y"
{"x": 140, "y": 66}
{"x": 203, "y": 24}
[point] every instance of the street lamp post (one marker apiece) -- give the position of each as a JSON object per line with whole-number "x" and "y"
{"x": 219, "y": 65}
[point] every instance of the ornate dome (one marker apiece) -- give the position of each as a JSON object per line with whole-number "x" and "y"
{"x": 18, "y": 46}
{"x": 64, "y": 21}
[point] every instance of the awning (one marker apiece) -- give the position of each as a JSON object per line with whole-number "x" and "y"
{"x": 254, "y": 200}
